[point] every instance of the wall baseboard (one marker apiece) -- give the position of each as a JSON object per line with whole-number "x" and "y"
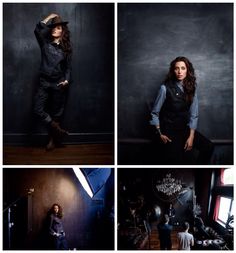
{"x": 42, "y": 138}
{"x": 148, "y": 141}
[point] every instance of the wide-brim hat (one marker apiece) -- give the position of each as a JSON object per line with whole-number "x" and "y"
{"x": 56, "y": 21}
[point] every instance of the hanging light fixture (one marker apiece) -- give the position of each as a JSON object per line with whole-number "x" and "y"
{"x": 92, "y": 179}
{"x": 169, "y": 185}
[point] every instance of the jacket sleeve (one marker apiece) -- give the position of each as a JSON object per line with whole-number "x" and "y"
{"x": 193, "y": 121}
{"x": 157, "y": 106}
{"x": 41, "y": 32}
{"x": 51, "y": 230}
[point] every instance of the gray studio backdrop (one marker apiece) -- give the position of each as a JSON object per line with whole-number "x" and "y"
{"x": 151, "y": 35}
{"x": 89, "y": 112}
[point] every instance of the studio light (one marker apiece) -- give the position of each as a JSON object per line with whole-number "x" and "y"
{"x": 92, "y": 179}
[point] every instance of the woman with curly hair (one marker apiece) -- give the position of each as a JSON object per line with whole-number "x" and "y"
{"x": 175, "y": 115}
{"x": 53, "y": 37}
{"x": 56, "y": 229}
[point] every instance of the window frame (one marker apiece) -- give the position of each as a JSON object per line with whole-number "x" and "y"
{"x": 217, "y": 219}
{"x": 218, "y": 189}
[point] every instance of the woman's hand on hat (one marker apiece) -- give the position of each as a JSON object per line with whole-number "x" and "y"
{"x": 64, "y": 83}
{"x": 50, "y": 16}
{"x": 53, "y": 15}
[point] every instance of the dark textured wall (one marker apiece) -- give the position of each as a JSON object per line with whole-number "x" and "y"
{"x": 90, "y": 105}
{"x": 150, "y": 37}
{"x": 141, "y": 182}
{"x": 86, "y": 221}
{"x": 203, "y": 191}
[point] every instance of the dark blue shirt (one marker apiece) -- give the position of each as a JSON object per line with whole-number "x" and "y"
{"x": 165, "y": 235}
{"x": 55, "y": 64}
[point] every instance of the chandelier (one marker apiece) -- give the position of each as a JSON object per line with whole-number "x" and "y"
{"x": 169, "y": 185}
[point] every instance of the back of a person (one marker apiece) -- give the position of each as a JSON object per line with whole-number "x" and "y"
{"x": 165, "y": 236}
{"x": 185, "y": 240}
{"x": 165, "y": 230}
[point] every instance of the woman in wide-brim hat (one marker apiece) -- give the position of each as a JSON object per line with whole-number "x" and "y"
{"x": 56, "y": 21}
{"x": 53, "y": 37}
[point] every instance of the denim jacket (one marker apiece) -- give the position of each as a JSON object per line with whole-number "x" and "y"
{"x": 55, "y": 64}
{"x": 55, "y": 226}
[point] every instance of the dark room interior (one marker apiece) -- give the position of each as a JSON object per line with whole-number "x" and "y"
{"x": 29, "y": 193}
{"x": 203, "y": 197}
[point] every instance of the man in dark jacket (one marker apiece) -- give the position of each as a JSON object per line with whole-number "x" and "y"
{"x": 164, "y": 230}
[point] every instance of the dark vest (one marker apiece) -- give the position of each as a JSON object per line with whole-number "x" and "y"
{"x": 175, "y": 110}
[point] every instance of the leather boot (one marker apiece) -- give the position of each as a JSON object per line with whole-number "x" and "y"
{"x": 51, "y": 144}
{"x": 57, "y": 129}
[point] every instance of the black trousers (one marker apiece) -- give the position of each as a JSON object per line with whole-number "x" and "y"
{"x": 49, "y": 101}
{"x": 165, "y": 244}
{"x": 175, "y": 154}
{"x": 59, "y": 243}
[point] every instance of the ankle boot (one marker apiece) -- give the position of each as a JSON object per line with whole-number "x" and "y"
{"x": 57, "y": 129}
{"x": 51, "y": 144}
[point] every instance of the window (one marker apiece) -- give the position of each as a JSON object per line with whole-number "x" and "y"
{"x": 228, "y": 177}
{"x": 225, "y": 210}
{"x": 222, "y": 198}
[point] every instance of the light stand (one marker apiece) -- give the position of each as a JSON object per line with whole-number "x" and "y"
{"x": 9, "y": 210}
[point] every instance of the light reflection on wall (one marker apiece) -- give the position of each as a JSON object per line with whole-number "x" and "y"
{"x": 56, "y": 185}
{"x": 67, "y": 191}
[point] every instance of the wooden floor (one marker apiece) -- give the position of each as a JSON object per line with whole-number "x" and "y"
{"x": 154, "y": 239}
{"x": 83, "y": 154}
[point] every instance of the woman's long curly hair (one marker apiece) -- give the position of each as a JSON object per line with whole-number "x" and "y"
{"x": 65, "y": 40}
{"x": 189, "y": 83}
{"x": 60, "y": 212}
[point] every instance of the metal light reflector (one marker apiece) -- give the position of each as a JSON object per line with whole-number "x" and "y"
{"x": 92, "y": 179}
{"x": 83, "y": 181}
